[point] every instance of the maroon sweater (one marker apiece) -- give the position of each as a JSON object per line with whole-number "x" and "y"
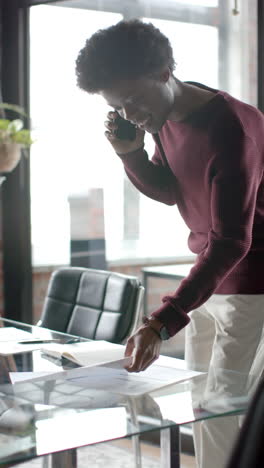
{"x": 211, "y": 165}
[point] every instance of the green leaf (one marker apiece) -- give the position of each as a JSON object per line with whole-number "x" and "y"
{"x": 22, "y": 137}
{"x": 4, "y": 124}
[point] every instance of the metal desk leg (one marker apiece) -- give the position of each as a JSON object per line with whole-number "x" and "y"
{"x": 136, "y": 438}
{"x": 170, "y": 447}
{"x": 137, "y": 451}
{"x": 66, "y": 459}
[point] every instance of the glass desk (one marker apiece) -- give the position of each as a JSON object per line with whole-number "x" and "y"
{"x": 57, "y": 417}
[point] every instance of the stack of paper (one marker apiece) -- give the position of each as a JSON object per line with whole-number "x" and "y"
{"x": 103, "y": 368}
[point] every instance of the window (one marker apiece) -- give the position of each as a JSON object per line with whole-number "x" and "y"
{"x": 71, "y": 157}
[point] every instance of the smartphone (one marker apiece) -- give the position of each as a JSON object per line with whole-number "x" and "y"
{"x": 126, "y": 130}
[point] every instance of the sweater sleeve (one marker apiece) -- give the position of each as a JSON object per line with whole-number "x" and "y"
{"x": 238, "y": 171}
{"x": 151, "y": 177}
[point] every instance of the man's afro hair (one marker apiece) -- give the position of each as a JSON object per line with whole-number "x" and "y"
{"x": 128, "y": 50}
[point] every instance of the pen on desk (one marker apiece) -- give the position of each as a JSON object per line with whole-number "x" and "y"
{"x": 37, "y": 341}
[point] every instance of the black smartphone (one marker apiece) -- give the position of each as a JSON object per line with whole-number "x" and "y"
{"x": 126, "y": 130}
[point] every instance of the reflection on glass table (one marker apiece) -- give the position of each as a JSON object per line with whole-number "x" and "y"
{"x": 52, "y": 415}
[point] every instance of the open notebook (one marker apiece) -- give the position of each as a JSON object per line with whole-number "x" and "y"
{"x": 88, "y": 353}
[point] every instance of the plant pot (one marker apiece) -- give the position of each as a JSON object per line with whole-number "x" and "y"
{"x": 10, "y": 154}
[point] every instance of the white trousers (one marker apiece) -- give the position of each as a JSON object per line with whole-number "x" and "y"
{"x": 225, "y": 334}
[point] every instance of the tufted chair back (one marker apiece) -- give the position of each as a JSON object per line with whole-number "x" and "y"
{"x": 95, "y": 304}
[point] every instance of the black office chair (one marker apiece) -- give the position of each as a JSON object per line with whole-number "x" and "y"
{"x": 248, "y": 451}
{"x": 95, "y": 304}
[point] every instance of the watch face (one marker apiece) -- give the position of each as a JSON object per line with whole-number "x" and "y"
{"x": 164, "y": 333}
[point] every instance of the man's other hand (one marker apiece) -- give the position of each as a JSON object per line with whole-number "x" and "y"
{"x": 122, "y": 146}
{"x": 144, "y": 346}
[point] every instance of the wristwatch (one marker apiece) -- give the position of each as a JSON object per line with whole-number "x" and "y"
{"x": 162, "y": 332}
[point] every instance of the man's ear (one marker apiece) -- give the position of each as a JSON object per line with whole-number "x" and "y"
{"x": 165, "y": 75}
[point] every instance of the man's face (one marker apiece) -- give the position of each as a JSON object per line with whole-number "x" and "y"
{"x": 146, "y": 102}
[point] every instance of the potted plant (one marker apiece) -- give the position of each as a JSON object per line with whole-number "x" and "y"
{"x": 13, "y": 137}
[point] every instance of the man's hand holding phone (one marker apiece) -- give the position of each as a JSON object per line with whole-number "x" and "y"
{"x": 123, "y": 138}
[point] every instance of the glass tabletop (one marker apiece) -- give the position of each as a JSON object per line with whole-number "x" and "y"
{"x": 42, "y": 417}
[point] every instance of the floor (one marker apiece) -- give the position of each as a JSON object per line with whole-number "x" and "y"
{"x": 149, "y": 450}
{"x": 118, "y": 454}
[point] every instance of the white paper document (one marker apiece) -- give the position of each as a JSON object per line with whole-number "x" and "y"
{"x": 14, "y": 334}
{"x": 114, "y": 377}
{"x": 9, "y": 341}
{"x": 17, "y": 377}
{"x": 133, "y": 384}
